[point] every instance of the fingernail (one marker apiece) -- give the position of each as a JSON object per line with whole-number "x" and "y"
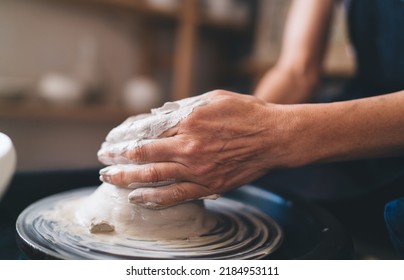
{"x": 107, "y": 170}
{"x": 105, "y": 178}
{"x": 136, "y": 197}
{"x": 111, "y": 170}
{"x": 104, "y": 171}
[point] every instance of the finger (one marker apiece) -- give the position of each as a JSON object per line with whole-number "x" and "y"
{"x": 115, "y": 153}
{"x": 143, "y": 151}
{"x": 167, "y": 196}
{"x": 145, "y": 175}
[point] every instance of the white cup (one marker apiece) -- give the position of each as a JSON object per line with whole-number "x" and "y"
{"x": 8, "y": 161}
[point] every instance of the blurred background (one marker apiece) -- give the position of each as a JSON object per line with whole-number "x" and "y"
{"x": 72, "y": 70}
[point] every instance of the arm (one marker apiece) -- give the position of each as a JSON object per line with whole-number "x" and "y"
{"x": 357, "y": 129}
{"x": 296, "y": 74}
{"x": 235, "y": 139}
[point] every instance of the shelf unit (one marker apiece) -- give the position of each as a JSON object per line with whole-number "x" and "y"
{"x": 188, "y": 20}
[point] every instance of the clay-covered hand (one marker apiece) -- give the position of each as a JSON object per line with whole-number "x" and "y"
{"x": 228, "y": 140}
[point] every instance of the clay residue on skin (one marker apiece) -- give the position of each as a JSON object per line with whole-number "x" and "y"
{"x": 143, "y": 129}
{"x": 113, "y": 170}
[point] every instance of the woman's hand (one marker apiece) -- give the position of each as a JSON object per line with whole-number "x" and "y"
{"x": 231, "y": 140}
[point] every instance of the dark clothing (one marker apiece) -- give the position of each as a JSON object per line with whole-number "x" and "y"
{"x": 394, "y": 215}
{"x": 376, "y": 30}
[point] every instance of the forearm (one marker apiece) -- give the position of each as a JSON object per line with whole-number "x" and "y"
{"x": 297, "y": 71}
{"x": 363, "y": 128}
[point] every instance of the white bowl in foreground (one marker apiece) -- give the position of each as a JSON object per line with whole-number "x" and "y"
{"x": 8, "y": 162}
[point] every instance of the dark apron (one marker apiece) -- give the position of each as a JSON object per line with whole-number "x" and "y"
{"x": 376, "y": 30}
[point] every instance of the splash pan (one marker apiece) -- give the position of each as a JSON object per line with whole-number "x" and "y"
{"x": 244, "y": 232}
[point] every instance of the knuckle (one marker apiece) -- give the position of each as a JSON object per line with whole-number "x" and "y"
{"x": 157, "y": 199}
{"x": 192, "y": 148}
{"x": 177, "y": 195}
{"x": 151, "y": 174}
{"x": 117, "y": 179}
{"x": 218, "y": 92}
{"x": 126, "y": 178}
{"x": 219, "y": 183}
{"x": 152, "y": 196}
{"x": 137, "y": 154}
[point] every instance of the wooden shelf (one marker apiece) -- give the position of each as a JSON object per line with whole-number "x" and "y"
{"x": 142, "y": 8}
{"x": 146, "y": 10}
{"x": 188, "y": 17}
{"x": 43, "y": 111}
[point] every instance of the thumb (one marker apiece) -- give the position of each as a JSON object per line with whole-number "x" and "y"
{"x": 166, "y": 196}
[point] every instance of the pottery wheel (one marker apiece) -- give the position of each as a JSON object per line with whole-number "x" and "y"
{"x": 244, "y": 232}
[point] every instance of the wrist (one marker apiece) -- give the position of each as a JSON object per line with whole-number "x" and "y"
{"x": 303, "y": 78}
{"x": 284, "y": 84}
{"x": 285, "y": 136}
{"x": 296, "y": 135}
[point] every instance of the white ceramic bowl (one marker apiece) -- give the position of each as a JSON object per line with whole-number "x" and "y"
{"x": 8, "y": 160}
